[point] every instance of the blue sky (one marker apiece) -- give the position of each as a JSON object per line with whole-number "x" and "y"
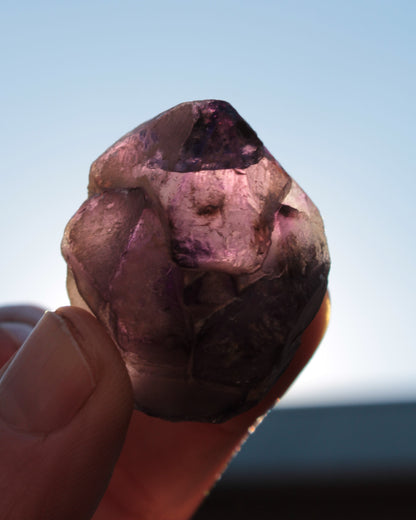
{"x": 328, "y": 86}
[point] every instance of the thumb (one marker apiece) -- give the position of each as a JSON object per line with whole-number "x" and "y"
{"x": 65, "y": 405}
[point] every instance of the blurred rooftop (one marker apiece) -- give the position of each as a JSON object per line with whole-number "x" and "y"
{"x": 323, "y": 462}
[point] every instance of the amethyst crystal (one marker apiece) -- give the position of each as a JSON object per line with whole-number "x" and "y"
{"x": 202, "y": 257}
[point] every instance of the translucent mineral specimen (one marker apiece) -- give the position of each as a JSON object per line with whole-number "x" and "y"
{"x": 202, "y": 257}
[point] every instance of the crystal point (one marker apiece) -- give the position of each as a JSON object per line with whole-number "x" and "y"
{"x": 202, "y": 257}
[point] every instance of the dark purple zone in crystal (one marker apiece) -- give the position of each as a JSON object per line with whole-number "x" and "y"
{"x": 217, "y": 138}
{"x": 220, "y": 139}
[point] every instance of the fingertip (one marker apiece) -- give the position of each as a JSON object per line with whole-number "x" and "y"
{"x": 8, "y": 346}
{"x": 29, "y": 314}
{"x": 315, "y": 332}
{"x": 18, "y": 332}
{"x": 311, "y": 338}
{"x": 100, "y": 350}
{"x": 91, "y": 336}
{"x": 16, "y": 323}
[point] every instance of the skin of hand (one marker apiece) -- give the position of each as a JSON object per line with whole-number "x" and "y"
{"x": 71, "y": 445}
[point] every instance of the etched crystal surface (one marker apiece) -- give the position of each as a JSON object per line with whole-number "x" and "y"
{"x": 202, "y": 257}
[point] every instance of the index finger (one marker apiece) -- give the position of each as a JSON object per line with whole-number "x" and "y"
{"x": 165, "y": 469}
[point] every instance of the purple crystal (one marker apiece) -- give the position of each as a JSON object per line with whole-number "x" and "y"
{"x": 202, "y": 257}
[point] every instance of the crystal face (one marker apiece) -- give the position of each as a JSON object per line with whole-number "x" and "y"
{"x": 203, "y": 259}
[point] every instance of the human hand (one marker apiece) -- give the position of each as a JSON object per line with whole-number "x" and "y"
{"x": 71, "y": 445}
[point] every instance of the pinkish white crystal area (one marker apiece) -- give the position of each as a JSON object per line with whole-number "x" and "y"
{"x": 202, "y": 257}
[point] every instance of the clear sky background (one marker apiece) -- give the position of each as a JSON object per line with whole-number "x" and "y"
{"x": 328, "y": 85}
